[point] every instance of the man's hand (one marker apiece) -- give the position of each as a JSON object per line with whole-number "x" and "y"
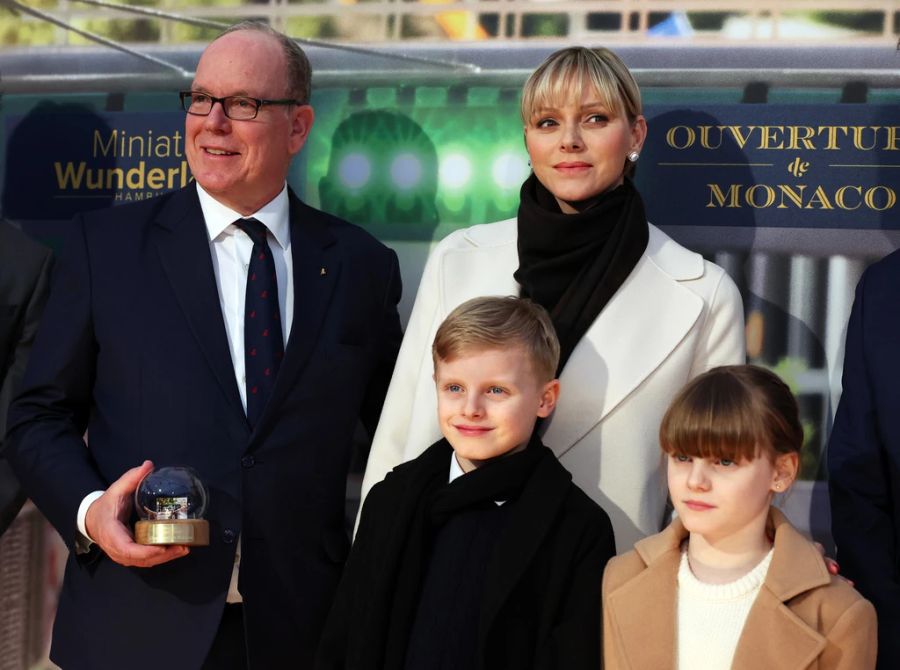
{"x": 106, "y": 518}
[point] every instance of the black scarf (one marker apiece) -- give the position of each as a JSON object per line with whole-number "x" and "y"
{"x": 572, "y": 264}
{"x": 503, "y": 478}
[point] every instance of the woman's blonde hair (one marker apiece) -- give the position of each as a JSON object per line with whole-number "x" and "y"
{"x": 565, "y": 73}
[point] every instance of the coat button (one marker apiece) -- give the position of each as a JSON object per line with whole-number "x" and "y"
{"x": 248, "y": 461}
{"x": 228, "y": 536}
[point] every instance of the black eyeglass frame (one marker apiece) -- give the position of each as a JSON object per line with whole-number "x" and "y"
{"x": 258, "y": 102}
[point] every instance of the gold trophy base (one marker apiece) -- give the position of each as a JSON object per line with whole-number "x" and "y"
{"x": 189, "y": 532}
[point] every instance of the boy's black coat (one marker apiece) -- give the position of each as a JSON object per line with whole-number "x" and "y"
{"x": 541, "y": 606}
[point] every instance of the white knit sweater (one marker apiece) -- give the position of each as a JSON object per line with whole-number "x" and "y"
{"x": 711, "y": 616}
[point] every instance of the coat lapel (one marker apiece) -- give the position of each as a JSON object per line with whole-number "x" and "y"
{"x": 183, "y": 245}
{"x": 317, "y": 268}
{"x": 642, "y": 611}
{"x": 478, "y": 271}
{"x": 620, "y": 351}
{"x": 775, "y": 637}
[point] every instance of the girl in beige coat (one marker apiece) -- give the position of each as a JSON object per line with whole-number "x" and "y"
{"x": 730, "y": 583}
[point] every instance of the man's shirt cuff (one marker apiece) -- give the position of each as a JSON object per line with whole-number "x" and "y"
{"x": 82, "y": 541}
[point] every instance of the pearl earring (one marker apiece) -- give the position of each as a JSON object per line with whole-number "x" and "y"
{"x": 777, "y": 486}
{"x": 633, "y": 156}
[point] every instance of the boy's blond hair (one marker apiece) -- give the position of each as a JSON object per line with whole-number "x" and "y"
{"x": 500, "y": 323}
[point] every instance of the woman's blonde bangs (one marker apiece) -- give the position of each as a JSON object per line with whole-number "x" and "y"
{"x": 563, "y": 76}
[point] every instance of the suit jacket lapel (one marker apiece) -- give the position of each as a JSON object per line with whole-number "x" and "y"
{"x": 183, "y": 245}
{"x": 620, "y": 351}
{"x": 316, "y": 269}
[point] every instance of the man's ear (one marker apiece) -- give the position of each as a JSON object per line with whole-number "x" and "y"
{"x": 302, "y": 117}
{"x": 549, "y": 396}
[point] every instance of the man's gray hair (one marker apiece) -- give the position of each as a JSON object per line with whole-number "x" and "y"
{"x": 299, "y": 71}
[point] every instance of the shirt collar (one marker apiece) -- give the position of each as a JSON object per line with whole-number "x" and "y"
{"x": 455, "y": 469}
{"x": 274, "y": 215}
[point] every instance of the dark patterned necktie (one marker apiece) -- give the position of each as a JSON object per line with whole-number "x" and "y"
{"x": 263, "y": 342}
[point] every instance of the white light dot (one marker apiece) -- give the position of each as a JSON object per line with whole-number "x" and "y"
{"x": 456, "y": 171}
{"x": 406, "y": 171}
{"x": 509, "y": 170}
{"x": 355, "y": 170}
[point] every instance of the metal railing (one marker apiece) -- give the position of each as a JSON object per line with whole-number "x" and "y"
{"x": 373, "y": 21}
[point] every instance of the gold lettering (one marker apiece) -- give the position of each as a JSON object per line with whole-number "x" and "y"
{"x": 715, "y": 193}
{"x": 831, "y": 135}
{"x": 96, "y": 183}
{"x": 119, "y": 175}
{"x": 163, "y": 147}
{"x": 134, "y": 178}
{"x": 69, "y": 177}
{"x": 750, "y": 195}
{"x": 857, "y": 137}
{"x": 689, "y": 134}
{"x": 821, "y": 198}
{"x": 103, "y": 150}
{"x": 135, "y": 139}
{"x": 793, "y": 196}
{"x": 769, "y": 134}
{"x": 890, "y": 198}
{"x": 738, "y": 136}
{"x": 839, "y": 196}
{"x": 797, "y": 134}
{"x": 156, "y": 178}
{"x": 704, "y": 137}
{"x": 893, "y": 136}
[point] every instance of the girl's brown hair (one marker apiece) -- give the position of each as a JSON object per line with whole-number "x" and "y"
{"x": 735, "y": 412}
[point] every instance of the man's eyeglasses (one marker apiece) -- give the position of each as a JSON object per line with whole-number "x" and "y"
{"x": 236, "y": 107}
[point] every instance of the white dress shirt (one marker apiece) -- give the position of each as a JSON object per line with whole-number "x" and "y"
{"x": 230, "y": 248}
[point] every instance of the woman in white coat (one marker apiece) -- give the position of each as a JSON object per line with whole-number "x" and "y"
{"x": 637, "y": 314}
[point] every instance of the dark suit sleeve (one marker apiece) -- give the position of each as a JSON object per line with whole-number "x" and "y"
{"x": 49, "y": 417}
{"x": 575, "y": 642}
{"x": 389, "y": 334}
{"x": 36, "y": 277}
{"x": 862, "y": 501}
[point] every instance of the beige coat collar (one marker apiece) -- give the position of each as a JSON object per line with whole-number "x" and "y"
{"x": 643, "y": 610}
{"x": 618, "y": 352}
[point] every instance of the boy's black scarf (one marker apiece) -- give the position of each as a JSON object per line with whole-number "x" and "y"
{"x": 433, "y": 502}
{"x": 572, "y": 264}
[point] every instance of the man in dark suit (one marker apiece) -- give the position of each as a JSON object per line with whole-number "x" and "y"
{"x": 24, "y": 281}
{"x": 864, "y": 453}
{"x": 163, "y": 340}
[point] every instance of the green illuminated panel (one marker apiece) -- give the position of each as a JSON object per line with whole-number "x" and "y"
{"x": 399, "y": 164}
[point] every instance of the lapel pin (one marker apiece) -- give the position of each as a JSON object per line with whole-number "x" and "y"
{"x": 322, "y": 272}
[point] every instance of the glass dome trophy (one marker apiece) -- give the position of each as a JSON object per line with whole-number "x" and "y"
{"x": 171, "y": 503}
